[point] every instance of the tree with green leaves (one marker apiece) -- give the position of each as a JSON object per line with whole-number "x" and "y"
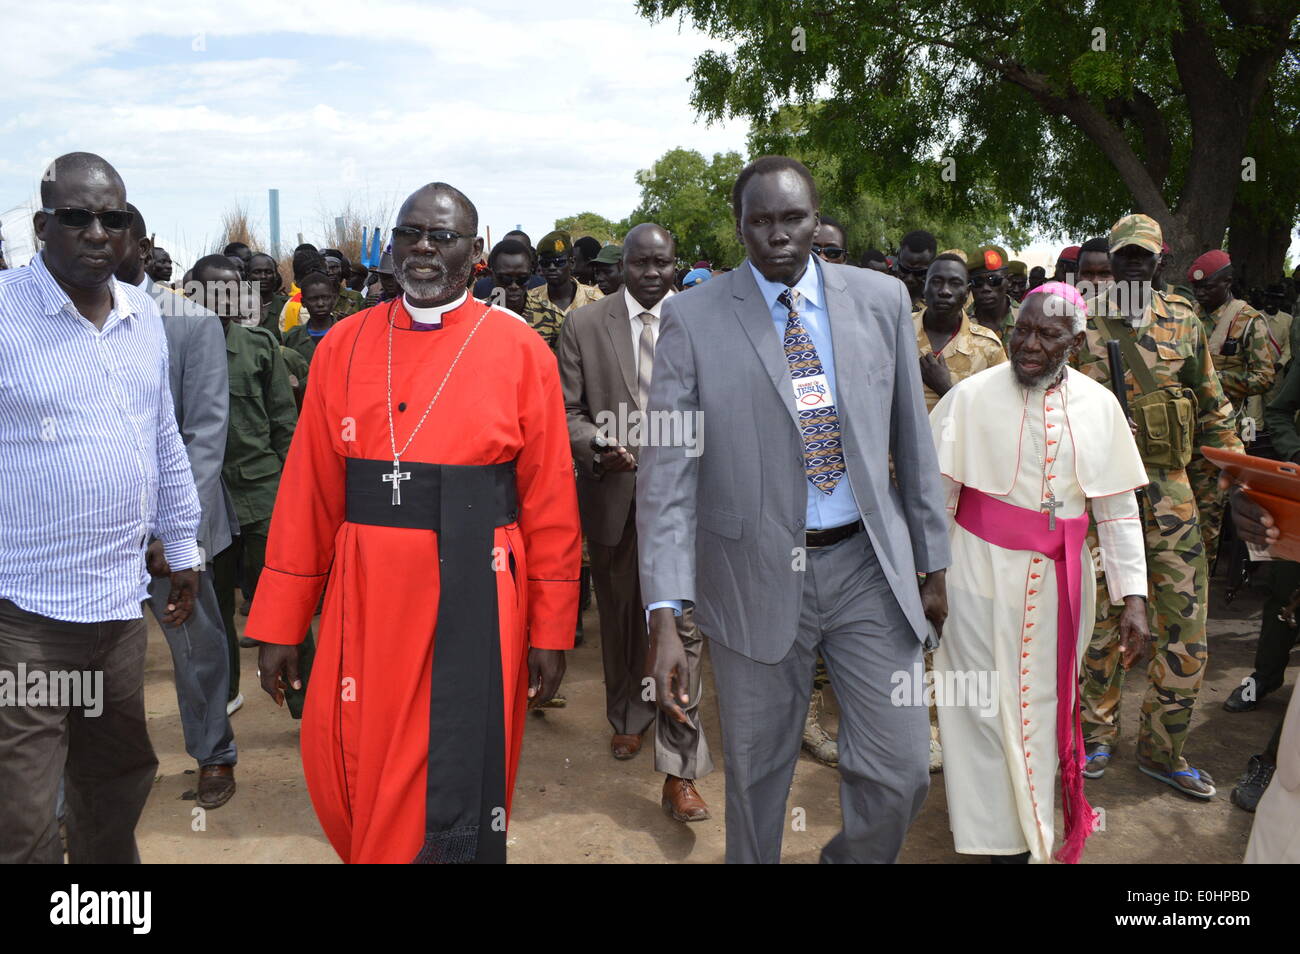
{"x": 690, "y": 196}
{"x": 1069, "y": 113}
{"x": 590, "y": 223}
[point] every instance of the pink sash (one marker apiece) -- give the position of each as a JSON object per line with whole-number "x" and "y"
{"x": 1015, "y": 528}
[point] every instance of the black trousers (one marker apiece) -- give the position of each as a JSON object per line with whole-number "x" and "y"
{"x": 1273, "y": 651}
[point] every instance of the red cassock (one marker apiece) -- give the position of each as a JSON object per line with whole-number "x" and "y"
{"x": 365, "y": 729}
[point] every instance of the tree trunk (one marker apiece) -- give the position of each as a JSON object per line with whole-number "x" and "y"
{"x": 1257, "y": 241}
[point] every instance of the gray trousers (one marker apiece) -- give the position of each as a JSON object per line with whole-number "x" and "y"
{"x": 680, "y": 750}
{"x": 105, "y": 758}
{"x": 850, "y": 616}
{"x": 201, "y": 662}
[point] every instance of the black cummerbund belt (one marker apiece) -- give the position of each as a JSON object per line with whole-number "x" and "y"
{"x": 370, "y": 496}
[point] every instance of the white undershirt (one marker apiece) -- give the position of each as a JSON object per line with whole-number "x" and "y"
{"x": 432, "y": 316}
{"x": 634, "y": 312}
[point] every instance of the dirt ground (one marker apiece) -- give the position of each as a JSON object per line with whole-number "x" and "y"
{"x": 575, "y": 804}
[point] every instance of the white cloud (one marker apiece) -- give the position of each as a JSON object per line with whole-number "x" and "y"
{"x": 535, "y": 113}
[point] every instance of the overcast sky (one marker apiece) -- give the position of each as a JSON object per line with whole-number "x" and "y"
{"x": 535, "y": 111}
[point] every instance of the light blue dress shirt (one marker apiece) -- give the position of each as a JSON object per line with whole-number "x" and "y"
{"x": 91, "y": 462}
{"x": 839, "y": 507}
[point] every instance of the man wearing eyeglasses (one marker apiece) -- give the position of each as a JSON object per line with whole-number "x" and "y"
{"x": 986, "y": 273}
{"x": 829, "y": 244}
{"x": 92, "y": 467}
{"x": 549, "y": 304}
{"x": 430, "y": 482}
{"x": 915, "y": 253}
{"x": 511, "y": 262}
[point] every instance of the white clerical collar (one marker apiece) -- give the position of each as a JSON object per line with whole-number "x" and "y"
{"x": 432, "y": 316}
{"x": 635, "y": 308}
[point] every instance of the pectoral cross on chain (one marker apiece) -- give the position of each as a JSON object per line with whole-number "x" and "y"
{"x": 1051, "y": 504}
{"x": 395, "y": 478}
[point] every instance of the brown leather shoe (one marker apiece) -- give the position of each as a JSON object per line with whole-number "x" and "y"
{"x": 682, "y": 800}
{"x": 216, "y": 785}
{"x": 624, "y": 747}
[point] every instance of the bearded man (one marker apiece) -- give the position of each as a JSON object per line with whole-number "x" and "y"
{"x": 1028, "y": 449}
{"x": 432, "y": 455}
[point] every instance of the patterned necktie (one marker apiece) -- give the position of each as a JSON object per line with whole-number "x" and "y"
{"x": 645, "y": 362}
{"x": 823, "y": 456}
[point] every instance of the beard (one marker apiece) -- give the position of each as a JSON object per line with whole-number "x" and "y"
{"x": 1045, "y": 377}
{"x": 441, "y": 289}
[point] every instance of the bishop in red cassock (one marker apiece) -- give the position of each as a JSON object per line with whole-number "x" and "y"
{"x": 429, "y": 492}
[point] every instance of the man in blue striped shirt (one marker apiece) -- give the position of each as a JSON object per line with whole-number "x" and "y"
{"x": 92, "y": 467}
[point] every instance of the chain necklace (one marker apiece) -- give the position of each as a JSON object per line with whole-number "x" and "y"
{"x": 398, "y": 475}
{"x": 1051, "y": 504}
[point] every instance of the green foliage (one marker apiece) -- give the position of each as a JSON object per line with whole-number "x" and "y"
{"x": 691, "y": 197}
{"x": 590, "y": 223}
{"x": 1071, "y": 114}
{"x": 878, "y": 218}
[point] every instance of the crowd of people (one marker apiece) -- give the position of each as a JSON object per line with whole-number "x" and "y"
{"x": 411, "y": 479}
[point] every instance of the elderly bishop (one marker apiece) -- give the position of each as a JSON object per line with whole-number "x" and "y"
{"x": 1028, "y": 450}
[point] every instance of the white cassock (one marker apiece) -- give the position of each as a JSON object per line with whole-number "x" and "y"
{"x": 1000, "y": 769}
{"x": 1275, "y": 835}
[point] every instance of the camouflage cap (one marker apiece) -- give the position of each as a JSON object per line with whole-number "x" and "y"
{"x": 609, "y": 255}
{"x": 555, "y": 243}
{"x": 1137, "y": 229}
{"x": 987, "y": 258}
{"x": 953, "y": 251}
{"x": 1015, "y": 267}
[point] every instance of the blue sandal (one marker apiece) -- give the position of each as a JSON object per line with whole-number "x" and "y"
{"x": 1171, "y": 779}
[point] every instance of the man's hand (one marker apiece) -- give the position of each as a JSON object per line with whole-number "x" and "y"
{"x": 180, "y": 601}
{"x": 277, "y": 668}
{"x": 934, "y": 599}
{"x": 1254, "y": 525}
{"x": 1134, "y": 634}
{"x": 545, "y": 670}
{"x": 935, "y": 374}
{"x": 154, "y": 560}
{"x": 1133, "y": 427}
{"x": 666, "y": 663}
{"x": 617, "y": 459}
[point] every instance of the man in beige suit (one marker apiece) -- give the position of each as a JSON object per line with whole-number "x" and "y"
{"x": 606, "y": 354}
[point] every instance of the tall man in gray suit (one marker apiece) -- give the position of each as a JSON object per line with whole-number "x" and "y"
{"x": 196, "y": 352}
{"x": 787, "y": 532}
{"x": 606, "y": 352}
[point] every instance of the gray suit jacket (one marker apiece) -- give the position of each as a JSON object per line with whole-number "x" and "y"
{"x": 196, "y": 352}
{"x": 721, "y": 528}
{"x": 598, "y": 373}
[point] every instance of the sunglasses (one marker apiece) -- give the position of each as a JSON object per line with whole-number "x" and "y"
{"x": 992, "y": 281}
{"x": 553, "y": 262}
{"x": 114, "y": 220}
{"x": 910, "y": 270}
{"x": 505, "y": 281}
{"x": 830, "y": 251}
{"x": 410, "y": 235}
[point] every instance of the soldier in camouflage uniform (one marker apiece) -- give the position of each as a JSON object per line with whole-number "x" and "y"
{"x": 1246, "y": 361}
{"x": 965, "y": 346}
{"x": 1173, "y": 345}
